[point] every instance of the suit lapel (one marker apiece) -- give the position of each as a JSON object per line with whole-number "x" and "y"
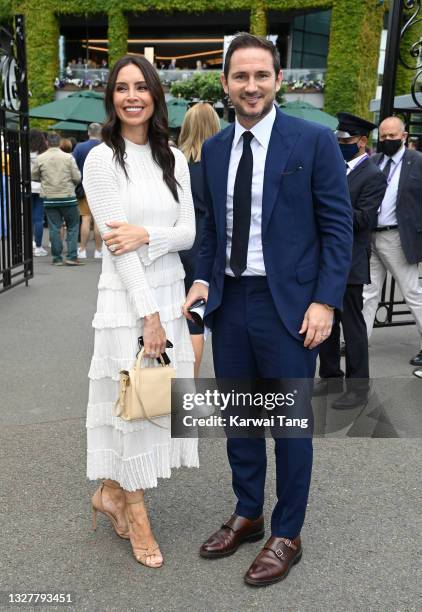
{"x": 406, "y": 166}
{"x": 356, "y": 171}
{"x": 377, "y": 158}
{"x": 220, "y": 169}
{"x": 280, "y": 148}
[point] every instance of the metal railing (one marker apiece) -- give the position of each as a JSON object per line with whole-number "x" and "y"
{"x": 392, "y": 310}
{"x": 16, "y": 259}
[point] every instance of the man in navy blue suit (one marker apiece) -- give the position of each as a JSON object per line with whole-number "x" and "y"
{"x": 273, "y": 265}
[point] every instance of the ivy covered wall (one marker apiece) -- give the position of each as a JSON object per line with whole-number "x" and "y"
{"x": 353, "y": 56}
{"x": 42, "y": 35}
{"x": 259, "y": 23}
{"x": 5, "y": 10}
{"x": 353, "y": 48}
{"x": 118, "y": 32}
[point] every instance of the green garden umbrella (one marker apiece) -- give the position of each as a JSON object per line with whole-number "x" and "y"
{"x": 305, "y": 110}
{"x": 84, "y": 107}
{"x": 176, "y": 108}
{"x": 69, "y": 126}
{"x": 81, "y": 106}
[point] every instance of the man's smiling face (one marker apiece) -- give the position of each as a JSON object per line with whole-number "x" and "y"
{"x": 251, "y": 84}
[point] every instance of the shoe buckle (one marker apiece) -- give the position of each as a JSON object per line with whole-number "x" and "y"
{"x": 288, "y": 542}
{"x": 279, "y": 553}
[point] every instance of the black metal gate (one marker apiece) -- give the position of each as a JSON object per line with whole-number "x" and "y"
{"x": 16, "y": 264}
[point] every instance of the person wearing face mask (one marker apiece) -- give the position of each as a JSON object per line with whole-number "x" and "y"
{"x": 397, "y": 238}
{"x": 367, "y": 186}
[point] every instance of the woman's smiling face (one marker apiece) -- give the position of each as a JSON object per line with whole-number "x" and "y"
{"x": 133, "y": 102}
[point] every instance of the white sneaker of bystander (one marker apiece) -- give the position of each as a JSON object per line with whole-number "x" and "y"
{"x": 81, "y": 253}
{"x": 40, "y": 252}
{"x": 98, "y": 254}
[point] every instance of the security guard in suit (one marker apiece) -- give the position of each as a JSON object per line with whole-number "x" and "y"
{"x": 396, "y": 243}
{"x": 367, "y": 185}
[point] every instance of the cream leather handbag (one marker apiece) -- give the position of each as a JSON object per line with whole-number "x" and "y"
{"x": 145, "y": 393}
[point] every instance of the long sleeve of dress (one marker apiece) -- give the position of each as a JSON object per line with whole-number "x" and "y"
{"x": 101, "y": 188}
{"x": 181, "y": 236}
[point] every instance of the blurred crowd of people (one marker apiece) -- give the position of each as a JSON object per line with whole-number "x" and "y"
{"x": 57, "y": 194}
{"x": 86, "y": 64}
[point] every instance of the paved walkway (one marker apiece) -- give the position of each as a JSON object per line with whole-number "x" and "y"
{"x": 362, "y": 537}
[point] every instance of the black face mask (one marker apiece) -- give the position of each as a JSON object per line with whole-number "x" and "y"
{"x": 390, "y": 147}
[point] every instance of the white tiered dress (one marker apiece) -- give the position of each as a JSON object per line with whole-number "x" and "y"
{"x": 137, "y": 453}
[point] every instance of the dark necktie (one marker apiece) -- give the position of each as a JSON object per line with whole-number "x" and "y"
{"x": 387, "y": 168}
{"x": 242, "y": 197}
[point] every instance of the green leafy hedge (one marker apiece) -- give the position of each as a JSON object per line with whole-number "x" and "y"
{"x": 203, "y": 85}
{"x": 207, "y": 86}
{"x": 352, "y": 59}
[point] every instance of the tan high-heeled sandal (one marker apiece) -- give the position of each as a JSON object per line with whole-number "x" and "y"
{"x": 98, "y": 506}
{"x": 142, "y": 554}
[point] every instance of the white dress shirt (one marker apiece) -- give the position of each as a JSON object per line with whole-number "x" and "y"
{"x": 259, "y": 145}
{"x": 387, "y": 212}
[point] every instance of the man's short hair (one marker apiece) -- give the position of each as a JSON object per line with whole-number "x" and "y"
{"x": 244, "y": 40}
{"x": 53, "y": 139}
{"x": 94, "y": 129}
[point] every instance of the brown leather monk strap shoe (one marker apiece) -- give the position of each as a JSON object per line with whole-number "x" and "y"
{"x": 274, "y": 561}
{"x": 232, "y": 534}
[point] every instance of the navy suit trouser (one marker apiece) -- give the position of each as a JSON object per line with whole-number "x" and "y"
{"x": 250, "y": 342}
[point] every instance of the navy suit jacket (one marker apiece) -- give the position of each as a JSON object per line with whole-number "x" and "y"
{"x": 367, "y": 186}
{"x": 307, "y": 230}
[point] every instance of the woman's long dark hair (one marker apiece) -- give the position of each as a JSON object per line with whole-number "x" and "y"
{"x": 158, "y": 133}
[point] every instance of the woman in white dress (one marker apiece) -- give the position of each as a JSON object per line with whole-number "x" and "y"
{"x": 138, "y": 190}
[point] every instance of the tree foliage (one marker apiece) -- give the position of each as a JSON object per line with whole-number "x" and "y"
{"x": 203, "y": 86}
{"x": 207, "y": 86}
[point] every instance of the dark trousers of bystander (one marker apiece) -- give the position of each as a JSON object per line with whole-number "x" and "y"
{"x": 37, "y": 218}
{"x": 56, "y": 215}
{"x": 356, "y": 338}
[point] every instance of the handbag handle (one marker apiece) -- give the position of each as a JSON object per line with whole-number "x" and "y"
{"x": 138, "y": 365}
{"x": 141, "y": 355}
